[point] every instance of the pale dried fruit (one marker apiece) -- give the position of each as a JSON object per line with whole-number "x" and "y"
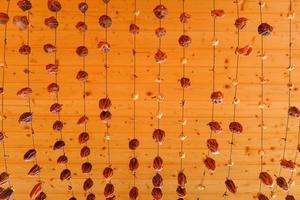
{"x": 158, "y": 163}
{"x": 36, "y": 190}
{"x": 58, "y": 145}
{"x": 181, "y": 179}
{"x": 25, "y": 92}
{"x": 21, "y": 22}
{"x": 88, "y": 184}
{"x": 51, "y": 22}
{"x": 134, "y": 29}
{"x": 160, "y": 57}
{"x": 160, "y": 11}
{"x": 288, "y": 164}
{"x": 266, "y": 178}
{"x": 81, "y": 26}
{"x": 213, "y": 146}
{"x": 217, "y": 13}
{"x": 57, "y": 125}
{"x": 105, "y": 21}
{"x": 133, "y": 193}
{"x": 6, "y": 194}
{"x": 82, "y": 120}
{"x": 49, "y": 48}
{"x": 158, "y": 136}
{"x": 52, "y": 68}
{"x": 65, "y": 175}
{"x": 134, "y": 144}
{"x": 215, "y": 127}
{"x": 265, "y": 29}
{"x": 261, "y": 196}
{"x": 294, "y": 112}
{"x": 25, "y": 118}
{"x": 240, "y": 23}
{"x": 82, "y": 76}
{"x": 34, "y": 171}
{"x": 160, "y": 32}
{"x": 4, "y": 178}
{"x": 217, "y": 97}
{"x": 104, "y": 104}
{"x": 4, "y": 18}
{"x": 86, "y": 167}
{"x": 184, "y": 17}
{"x": 104, "y": 47}
{"x": 83, "y": 7}
{"x": 184, "y": 41}
{"x": 210, "y": 164}
{"x": 157, "y": 180}
{"x": 108, "y": 172}
{"x": 109, "y": 190}
{"x": 24, "y": 5}
{"x": 63, "y": 159}
{"x": 133, "y": 164}
{"x": 105, "y": 116}
{"x": 82, "y": 51}
{"x": 54, "y": 5}
{"x": 30, "y": 155}
{"x": 281, "y": 182}
{"x": 181, "y": 191}
{"x": 85, "y": 152}
{"x": 83, "y": 137}
{"x": 157, "y": 193}
{"x": 56, "y": 108}
{"x": 236, "y": 127}
{"x": 245, "y": 51}
{"x": 230, "y": 186}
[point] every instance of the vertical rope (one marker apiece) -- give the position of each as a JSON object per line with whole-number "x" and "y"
{"x": 58, "y": 115}
{"x": 4, "y": 65}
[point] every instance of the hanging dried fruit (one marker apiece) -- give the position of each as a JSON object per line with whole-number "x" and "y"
{"x": 281, "y": 182}
{"x": 290, "y": 197}
{"x": 21, "y": 22}
{"x": 25, "y": 92}
{"x": 160, "y": 11}
{"x": 57, "y": 125}
{"x": 30, "y": 155}
{"x": 184, "y": 41}
{"x": 160, "y": 32}
{"x": 65, "y": 175}
{"x": 240, "y": 23}
{"x": 288, "y": 164}
{"x": 157, "y": 193}
{"x": 181, "y": 192}
{"x": 157, "y": 180}
{"x": 83, "y": 7}
{"x": 82, "y": 120}
{"x": 217, "y": 13}
{"x": 265, "y": 29}
{"x": 134, "y": 144}
{"x": 217, "y": 97}
{"x": 83, "y": 137}
{"x": 181, "y": 179}
{"x": 81, "y": 26}
{"x": 158, "y": 163}
{"x": 215, "y": 127}
{"x": 36, "y": 190}
{"x": 34, "y": 171}
{"x": 245, "y": 51}
{"x": 51, "y": 22}
{"x": 54, "y": 5}
{"x": 261, "y": 196}
{"x": 184, "y": 17}
{"x": 134, "y": 29}
{"x": 158, "y": 136}
{"x": 85, "y": 152}
{"x": 104, "y": 47}
{"x": 52, "y": 68}
{"x": 109, "y": 190}
{"x": 56, "y": 108}
{"x": 88, "y": 184}
{"x": 63, "y": 159}
{"x": 105, "y": 21}
{"x": 210, "y": 164}
{"x": 82, "y": 51}
{"x": 6, "y": 194}
{"x": 230, "y": 186}
{"x": 25, "y": 118}
{"x": 185, "y": 82}
{"x": 86, "y": 167}
{"x": 133, "y": 164}
{"x": 266, "y": 178}
{"x": 58, "y": 145}
{"x": 104, "y": 104}
{"x": 24, "y": 5}
{"x": 133, "y": 193}
{"x": 105, "y": 116}
{"x": 236, "y": 127}
{"x": 108, "y": 172}
{"x": 294, "y": 112}
{"x": 213, "y": 146}
{"x": 49, "y": 48}
{"x": 4, "y": 176}
{"x": 160, "y": 57}
{"x": 4, "y": 18}
{"x": 82, "y": 76}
